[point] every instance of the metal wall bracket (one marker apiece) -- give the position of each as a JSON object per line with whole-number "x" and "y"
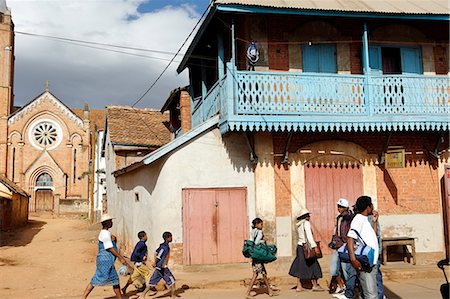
{"x": 286, "y": 150}
{"x": 253, "y": 156}
{"x": 385, "y": 148}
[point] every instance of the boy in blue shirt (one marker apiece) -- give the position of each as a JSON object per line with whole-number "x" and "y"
{"x": 139, "y": 256}
{"x": 162, "y": 271}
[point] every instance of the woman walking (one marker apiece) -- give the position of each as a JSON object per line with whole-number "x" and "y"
{"x": 305, "y": 269}
{"x": 105, "y": 273}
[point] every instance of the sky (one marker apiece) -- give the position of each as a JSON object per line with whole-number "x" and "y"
{"x": 79, "y": 74}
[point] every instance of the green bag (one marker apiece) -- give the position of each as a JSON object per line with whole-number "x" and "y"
{"x": 261, "y": 252}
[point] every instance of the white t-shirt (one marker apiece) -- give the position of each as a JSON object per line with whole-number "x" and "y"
{"x": 361, "y": 224}
{"x": 105, "y": 237}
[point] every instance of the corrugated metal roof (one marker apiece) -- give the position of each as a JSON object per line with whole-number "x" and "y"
{"x": 440, "y": 7}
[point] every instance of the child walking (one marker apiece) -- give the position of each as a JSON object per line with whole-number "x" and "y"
{"x": 138, "y": 257}
{"x": 162, "y": 271}
{"x": 258, "y": 267}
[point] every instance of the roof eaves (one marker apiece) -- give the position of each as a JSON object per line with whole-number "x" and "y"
{"x": 240, "y": 8}
{"x": 196, "y": 38}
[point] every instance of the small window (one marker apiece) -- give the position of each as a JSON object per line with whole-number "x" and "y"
{"x": 136, "y": 197}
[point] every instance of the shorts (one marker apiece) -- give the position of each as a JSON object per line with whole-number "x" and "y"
{"x": 138, "y": 271}
{"x": 258, "y": 268}
{"x": 165, "y": 274}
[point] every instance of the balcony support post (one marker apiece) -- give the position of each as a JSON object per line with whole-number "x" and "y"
{"x": 366, "y": 69}
{"x": 233, "y": 44}
{"x": 286, "y": 150}
{"x": 253, "y": 157}
{"x": 220, "y": 57}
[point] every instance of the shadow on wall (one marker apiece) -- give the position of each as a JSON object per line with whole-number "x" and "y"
{"x": 390, "y": 184}
{"x": 21, "y": 236}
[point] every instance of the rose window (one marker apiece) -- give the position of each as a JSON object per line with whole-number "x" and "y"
{"x": 45, "y": 134}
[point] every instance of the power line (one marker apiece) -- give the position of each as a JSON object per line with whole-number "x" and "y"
{"x": 176, "y": 54}
{"x": 96, "y": 43}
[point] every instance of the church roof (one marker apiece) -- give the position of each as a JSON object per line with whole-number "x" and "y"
{"x": 136, "y": 126}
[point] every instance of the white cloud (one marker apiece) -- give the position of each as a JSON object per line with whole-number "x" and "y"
{"x": 79, "y": 74}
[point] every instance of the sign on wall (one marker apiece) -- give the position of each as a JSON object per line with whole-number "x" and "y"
{"x": 395, "y": 158}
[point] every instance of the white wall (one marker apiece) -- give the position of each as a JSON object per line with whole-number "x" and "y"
{"x": 99, "y": 176}
{"x": 206, "y": 162}
{"x": 426, "y": 228}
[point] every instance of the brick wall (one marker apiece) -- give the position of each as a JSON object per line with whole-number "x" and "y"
{"x": 414, "y": 189}
{"x": 283, "y": 204}
{"x": 278, "y": 47}
{"x": 185, "y": 111}
{"x": 176, "y": 253}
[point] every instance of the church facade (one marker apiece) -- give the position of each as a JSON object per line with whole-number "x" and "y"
{"x": 46, "y": 148}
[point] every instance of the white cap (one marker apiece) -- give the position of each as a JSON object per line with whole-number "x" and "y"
{"x": 343, "y": 202}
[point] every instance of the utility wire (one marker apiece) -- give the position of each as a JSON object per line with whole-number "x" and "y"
{"x": 173, "y": 58}
{"x": 97, "y": 43}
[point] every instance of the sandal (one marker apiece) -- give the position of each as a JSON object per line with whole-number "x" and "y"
{"x": 299, "y": 290}
{"x": 318, "y": 289}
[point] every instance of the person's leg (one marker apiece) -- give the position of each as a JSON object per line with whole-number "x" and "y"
{"x": 350, "y": 276}
{"x": 88, "y": 290}
{"x": 116, "y": 289}
{"x": 335, "y": 270}
{"x": 368, "y": 281}
{"x": 380, "y": 282}
{"x": 156, "y": 277}
{"x": 252, "y": 282}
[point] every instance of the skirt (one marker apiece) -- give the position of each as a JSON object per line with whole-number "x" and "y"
{"x": 305, "y": 269}
{"x": 105, "y": 273}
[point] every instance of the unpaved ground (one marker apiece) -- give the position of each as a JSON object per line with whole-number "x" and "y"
{"x": 55, "y": 258}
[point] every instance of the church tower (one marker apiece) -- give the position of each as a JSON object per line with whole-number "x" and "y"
{"x": 6, "y": 79}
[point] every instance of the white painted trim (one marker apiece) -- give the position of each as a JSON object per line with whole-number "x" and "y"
{"x": 46, "y": 96}
{"x": 44, "y": 188}
{"x": 59, "y": 134}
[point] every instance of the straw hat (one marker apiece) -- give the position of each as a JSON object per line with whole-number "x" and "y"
{"x": 106, "y": 217}
{"x": 302, "y": 213}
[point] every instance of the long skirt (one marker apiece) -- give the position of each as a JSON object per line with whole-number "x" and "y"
{"x": 105, "y": 273}
{"x": 305, "y": 269}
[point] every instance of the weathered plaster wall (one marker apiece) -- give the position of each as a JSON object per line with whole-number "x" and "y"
{"x": 207, "y": 162}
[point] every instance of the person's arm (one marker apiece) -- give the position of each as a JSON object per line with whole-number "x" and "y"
{"x": 309, "y": 236}
{"x": 375, "y": 221}
{"x": 116, "y": 254}
{"x": 351, "y": 253}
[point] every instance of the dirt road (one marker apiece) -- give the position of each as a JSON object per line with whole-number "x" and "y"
{"x": 55, "y": 258}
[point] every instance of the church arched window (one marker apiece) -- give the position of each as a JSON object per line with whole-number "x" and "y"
{"x": 44, "y": 180}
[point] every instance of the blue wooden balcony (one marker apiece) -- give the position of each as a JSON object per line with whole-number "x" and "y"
{"x": 286, "y": 101}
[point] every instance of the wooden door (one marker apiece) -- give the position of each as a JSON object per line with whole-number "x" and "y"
{"x": 324, "y": 185}
{"x": 44, "y": 200}
{"x": 214, "y": 225}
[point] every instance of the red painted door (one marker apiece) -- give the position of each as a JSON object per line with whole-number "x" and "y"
{"x": 324, "y": 185}
{"x": 214, "y": 225}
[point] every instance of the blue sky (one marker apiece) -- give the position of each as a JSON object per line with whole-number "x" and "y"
{"x": 152, "y": 5}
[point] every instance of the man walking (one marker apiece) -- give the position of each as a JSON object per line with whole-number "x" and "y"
{"x": 362, "y": 231}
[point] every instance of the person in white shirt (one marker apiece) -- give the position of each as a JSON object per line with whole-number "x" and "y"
{"x": 361, "y": 225}
{"x": 301, "y": 268}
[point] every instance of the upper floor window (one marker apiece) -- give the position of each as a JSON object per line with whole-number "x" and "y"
{"x": 319, "y": 58}
{"x": 395, "y": 60}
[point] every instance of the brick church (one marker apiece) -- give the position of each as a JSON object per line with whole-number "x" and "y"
{"x": 45, "y": 147}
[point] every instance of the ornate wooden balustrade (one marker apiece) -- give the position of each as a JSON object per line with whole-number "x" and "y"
{"x": 304, "y": 101}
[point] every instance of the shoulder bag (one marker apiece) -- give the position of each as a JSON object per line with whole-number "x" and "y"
{"x": 364, "y": 253}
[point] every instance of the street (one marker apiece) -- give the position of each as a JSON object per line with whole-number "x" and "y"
{"x": 55, "y": 258}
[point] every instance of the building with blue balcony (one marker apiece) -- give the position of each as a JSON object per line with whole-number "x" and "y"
{"x": 344, "y": 99}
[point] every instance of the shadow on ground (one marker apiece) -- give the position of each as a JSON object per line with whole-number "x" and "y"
{"x": 21, "y": 236}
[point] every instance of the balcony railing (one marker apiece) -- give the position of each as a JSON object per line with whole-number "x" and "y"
{"x": 284, "y": 100}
